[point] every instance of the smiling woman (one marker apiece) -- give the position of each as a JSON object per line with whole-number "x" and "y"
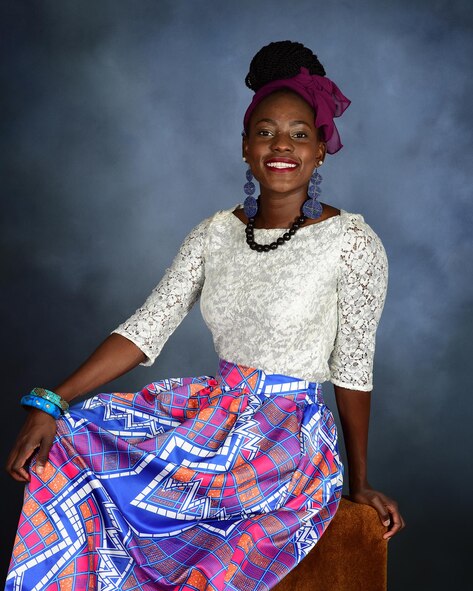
{"x": 282, "y": 148}
{"x": 225, "y": 482}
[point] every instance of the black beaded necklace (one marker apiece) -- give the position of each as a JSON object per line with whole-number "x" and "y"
{"x": 250, "y": 237}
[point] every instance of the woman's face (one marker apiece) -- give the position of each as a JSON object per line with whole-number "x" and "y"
{"x": 282, "y": 146}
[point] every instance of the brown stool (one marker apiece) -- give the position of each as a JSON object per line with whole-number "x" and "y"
{"x": 350, "y": 556}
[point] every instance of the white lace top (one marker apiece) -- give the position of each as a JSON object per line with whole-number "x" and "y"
{"x": 308, "y": 309}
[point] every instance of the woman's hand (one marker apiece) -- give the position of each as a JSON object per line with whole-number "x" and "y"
{"x": 387, "y": 508}
{"x": 37, "y": 432}
{"x": 112, "y": 358}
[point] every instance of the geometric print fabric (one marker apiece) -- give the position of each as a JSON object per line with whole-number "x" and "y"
{"x": 192, "y": 484}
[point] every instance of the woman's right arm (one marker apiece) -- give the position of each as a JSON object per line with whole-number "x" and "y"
{"x": 114, "y": 357}
{"x": 138, "y": 340}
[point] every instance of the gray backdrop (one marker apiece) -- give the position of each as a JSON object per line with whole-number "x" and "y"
{"x": 121, "y": 131}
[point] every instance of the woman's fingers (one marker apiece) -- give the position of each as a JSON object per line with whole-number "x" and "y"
{"x": 18, "y": 461}
{"x": 394, "y": 521}
{"x": 382, "y": 509}
{"x": 37, "y": 432}
{"x": 387, "y": 509}
{"x": 397, "y": 523}
{"x": 43, "y": 454}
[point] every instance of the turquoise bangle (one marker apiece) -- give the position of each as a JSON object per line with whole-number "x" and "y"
{"x": 52, "y": 397}
{"x": 41, "y": 404}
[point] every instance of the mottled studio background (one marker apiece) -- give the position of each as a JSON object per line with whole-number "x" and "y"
{"x": 120, "y": 131}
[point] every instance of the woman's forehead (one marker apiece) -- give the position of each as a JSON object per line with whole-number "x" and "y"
{"x": 284, "y": 105}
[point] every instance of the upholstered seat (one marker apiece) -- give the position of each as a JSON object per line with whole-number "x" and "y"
{"x": 350, "y": 556}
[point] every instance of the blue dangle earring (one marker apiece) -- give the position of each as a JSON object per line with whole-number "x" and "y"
{"x": 250, "y": 205}
{"x": 312, "y": 208}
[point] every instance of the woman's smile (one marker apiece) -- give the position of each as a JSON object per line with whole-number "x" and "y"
{"x": 279, "y": 165}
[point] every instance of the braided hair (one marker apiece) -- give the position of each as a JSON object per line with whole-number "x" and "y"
{"x": 280, "y": 60}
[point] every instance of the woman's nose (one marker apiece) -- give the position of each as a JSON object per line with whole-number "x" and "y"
{"x": 282, "y": 142}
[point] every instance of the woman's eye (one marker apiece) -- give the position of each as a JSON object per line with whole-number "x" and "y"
{"x": 264, "y": 132}
{"x": 300, "y": 134}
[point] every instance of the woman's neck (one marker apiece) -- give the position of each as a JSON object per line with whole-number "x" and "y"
{"x": 278, "y": 211}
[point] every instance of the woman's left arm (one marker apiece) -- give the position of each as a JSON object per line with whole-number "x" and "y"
{"x": 354, "y": 411}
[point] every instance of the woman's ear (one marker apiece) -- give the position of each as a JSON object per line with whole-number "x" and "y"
{"x": 322, "y": 151}
{"x": 244, "y": 145}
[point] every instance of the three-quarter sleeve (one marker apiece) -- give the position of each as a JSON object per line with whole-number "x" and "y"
{"x": 362, "y": 285}
{"x": 169, "y": 302}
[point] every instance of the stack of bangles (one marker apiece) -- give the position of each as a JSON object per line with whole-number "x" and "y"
{"x": 46, "y": 401}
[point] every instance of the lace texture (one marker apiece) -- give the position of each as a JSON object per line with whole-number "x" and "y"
{"x": 170, "y": 301}
{"x": 309, "y": 309}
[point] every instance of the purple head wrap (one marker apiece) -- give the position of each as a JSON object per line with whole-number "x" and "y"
{"x": 320, "y": 92}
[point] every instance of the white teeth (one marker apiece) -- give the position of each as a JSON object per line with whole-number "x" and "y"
{"x": 281, "y": 165}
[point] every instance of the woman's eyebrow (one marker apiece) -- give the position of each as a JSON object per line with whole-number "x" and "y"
{"x": 299, "y": 122}
{"x": 296, "y": 122}
{"x": 265, "y": 120}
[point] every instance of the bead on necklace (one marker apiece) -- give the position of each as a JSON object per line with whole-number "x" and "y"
{"x": 311, "y": 208}
{"x": 250, "y": 237}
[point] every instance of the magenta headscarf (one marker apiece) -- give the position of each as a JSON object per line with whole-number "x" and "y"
{"x": 320, "y": 92}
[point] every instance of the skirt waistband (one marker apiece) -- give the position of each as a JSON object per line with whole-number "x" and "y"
{"x": 266, "y": 385}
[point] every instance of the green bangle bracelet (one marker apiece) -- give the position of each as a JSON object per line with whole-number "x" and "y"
{"x": 54, "y": 398}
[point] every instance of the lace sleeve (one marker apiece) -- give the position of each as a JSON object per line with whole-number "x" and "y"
{"x": 169, "y": 302}
{"x": 362, "y": 285}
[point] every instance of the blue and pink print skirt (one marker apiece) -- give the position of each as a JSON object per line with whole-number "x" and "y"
{"x": 192, "y": 484}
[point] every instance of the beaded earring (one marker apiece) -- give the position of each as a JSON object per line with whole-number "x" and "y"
{"x": 250, "y": 205}
{"x": 312, "y": 208}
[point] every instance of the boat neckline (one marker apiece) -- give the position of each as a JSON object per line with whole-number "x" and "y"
{"x": 337, "y": 216}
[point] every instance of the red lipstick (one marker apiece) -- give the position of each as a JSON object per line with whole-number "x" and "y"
{"x": 281, "y": 164}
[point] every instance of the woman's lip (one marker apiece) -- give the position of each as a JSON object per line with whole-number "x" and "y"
{"x": 281, "y": 164}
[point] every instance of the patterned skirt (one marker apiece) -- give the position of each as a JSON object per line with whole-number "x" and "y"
{"x": 192, "y": 484}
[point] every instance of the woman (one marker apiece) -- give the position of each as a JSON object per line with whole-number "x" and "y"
{"x": 225, "y": 482}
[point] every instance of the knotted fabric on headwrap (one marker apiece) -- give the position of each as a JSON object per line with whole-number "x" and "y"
{"x": 323, "y": 96}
